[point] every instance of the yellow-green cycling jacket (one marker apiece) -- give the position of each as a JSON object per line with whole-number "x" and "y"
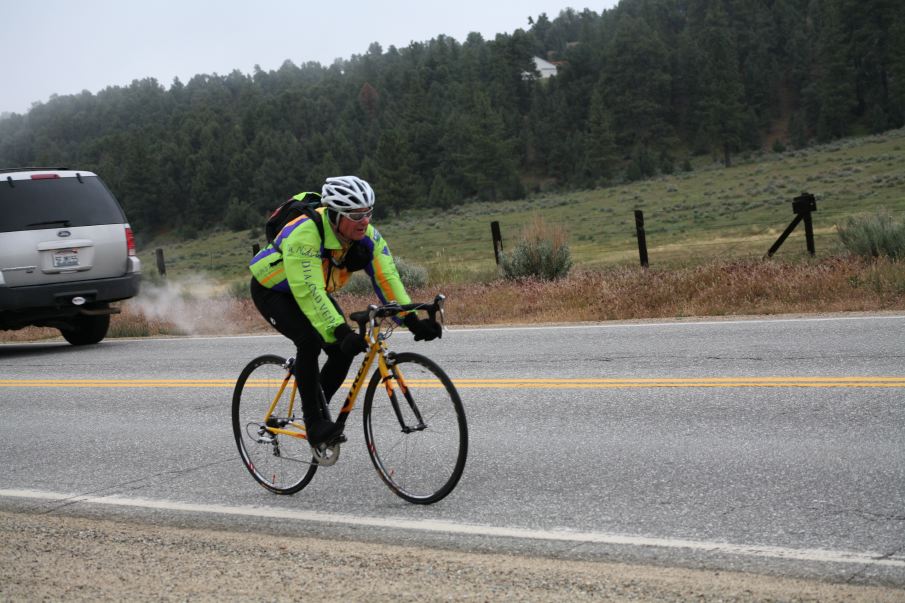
{"x": 298, "y": 262}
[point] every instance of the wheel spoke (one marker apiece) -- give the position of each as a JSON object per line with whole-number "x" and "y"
{"x": 278, "y": 461}
{"x": 421, "y": 466}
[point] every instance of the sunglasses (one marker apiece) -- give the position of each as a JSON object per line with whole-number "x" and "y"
{"x": 358, "y": 216}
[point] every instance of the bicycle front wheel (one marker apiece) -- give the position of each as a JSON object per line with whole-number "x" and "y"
{"x": 415, "y": 429}
{"x": 280, "y": 462}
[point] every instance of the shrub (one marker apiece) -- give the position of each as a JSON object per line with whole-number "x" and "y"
{"x": 239, "y": 290}
{"x": 412, "y": 276}
{"x": 541, "y": 252}
{"x": 359, "y": 284}
{"x": 875, "y": 235}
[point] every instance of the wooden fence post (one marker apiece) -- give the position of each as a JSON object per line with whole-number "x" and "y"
{"x": 802, "y": 205}
{"x": 642, "y": 240}
{"x": 161, "y": 265}
{"x": 497, "y": 240}
{"x": 806, "y": 203}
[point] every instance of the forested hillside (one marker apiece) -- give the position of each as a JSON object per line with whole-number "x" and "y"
{"x": 641, "y": 89}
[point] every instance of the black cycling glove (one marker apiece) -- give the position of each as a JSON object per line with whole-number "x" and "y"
{"x": 350, "y": 342}
{"x": 424, "y": 330}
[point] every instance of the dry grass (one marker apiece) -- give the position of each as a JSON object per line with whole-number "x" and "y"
{"x": 839, "y": 284}
{"x": 715, "y": 289}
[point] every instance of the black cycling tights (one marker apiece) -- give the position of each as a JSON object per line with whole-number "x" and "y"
{"x": 283, "y": 313}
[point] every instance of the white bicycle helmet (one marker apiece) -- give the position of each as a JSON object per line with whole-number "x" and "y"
{"x": 347, "y": 194}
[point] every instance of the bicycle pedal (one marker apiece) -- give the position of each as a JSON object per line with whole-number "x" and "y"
{"x": 326, "y": 455}
{"x": 332, "y": 442}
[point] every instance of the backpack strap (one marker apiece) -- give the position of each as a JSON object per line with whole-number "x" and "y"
{"x": 318, "y": 220}
{"x": 309, "y": 210}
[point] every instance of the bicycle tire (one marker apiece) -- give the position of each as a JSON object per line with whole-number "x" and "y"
{"x": 282, "y": 464}
{"x": 422, "y": 466}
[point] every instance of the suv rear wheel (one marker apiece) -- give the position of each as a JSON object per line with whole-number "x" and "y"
{"x": 86, "y": 330}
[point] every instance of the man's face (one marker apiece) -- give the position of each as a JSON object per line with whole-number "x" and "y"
{"x": 352, "y": 230}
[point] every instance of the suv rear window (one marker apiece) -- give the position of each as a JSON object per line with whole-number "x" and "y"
{"x": 56, "y": 203}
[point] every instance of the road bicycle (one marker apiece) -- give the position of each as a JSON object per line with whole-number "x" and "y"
{"x": 414, "y": 423}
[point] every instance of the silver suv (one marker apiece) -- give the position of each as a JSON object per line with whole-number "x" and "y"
{"x": 66, "y": 252}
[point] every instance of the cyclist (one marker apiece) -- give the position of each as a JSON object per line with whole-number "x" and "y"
{"x": 293, "y": 277}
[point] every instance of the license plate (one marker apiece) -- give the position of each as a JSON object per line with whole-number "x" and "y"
{"x": 65, "y": 259}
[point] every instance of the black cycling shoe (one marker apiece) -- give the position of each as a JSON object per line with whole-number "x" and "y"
{"x": 322, "y": 431}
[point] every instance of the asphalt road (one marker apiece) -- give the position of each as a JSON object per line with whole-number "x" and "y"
{"x": 775, "y": 446}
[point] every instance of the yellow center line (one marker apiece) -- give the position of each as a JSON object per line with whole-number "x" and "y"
{"x": 501, "y": 383}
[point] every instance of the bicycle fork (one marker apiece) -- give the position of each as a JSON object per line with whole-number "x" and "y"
{"x": 390, "y": 372}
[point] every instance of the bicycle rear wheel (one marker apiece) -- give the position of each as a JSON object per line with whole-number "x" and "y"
{"x": 417, "y": 436}
{"x": 281, "y": 463}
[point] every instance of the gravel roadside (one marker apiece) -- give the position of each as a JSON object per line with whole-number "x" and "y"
{"x": 53, "y": 557}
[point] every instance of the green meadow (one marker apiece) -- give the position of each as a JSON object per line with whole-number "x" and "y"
{"x": 691, "y": 217}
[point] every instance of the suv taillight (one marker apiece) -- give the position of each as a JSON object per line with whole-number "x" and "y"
{"x": 130, "y": 240}
{"x": 44, "y": 176}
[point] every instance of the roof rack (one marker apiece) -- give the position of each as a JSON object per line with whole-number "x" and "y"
{"x": 30, "y": 169}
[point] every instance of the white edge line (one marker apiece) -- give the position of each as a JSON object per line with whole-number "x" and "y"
{"x": 433, "y": 526}
{"x": 688, "y": 323}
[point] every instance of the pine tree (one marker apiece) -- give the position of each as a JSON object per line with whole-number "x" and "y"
{"x": 897, "y": 73}
{"x": 831, "y": 96}
{"x": 396, "y": 183}
{"x": 601, "y": 153}
{"x": 638, "y": 86}
{"x": 720, "y": 103}
{"x": 441, "y": 194}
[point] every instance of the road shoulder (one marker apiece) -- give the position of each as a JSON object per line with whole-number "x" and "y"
{"x": 63, "y": 557}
